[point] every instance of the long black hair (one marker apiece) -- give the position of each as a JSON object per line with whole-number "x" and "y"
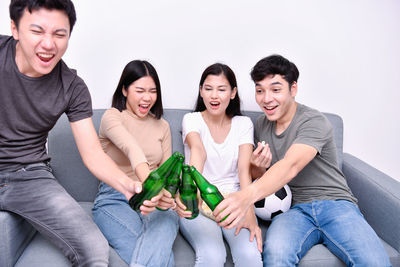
{"x": 233, "y": 108}
{"x": 133, "y": 71}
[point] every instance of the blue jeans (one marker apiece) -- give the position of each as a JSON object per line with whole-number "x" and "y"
{"x": 140, "y": 240}
{"x": 33, "y": 193}
{"x": 339, "y": 225}
{"x": 206, "y": 238}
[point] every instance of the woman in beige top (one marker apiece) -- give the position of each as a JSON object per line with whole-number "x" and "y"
{"x": 135, "y": 136}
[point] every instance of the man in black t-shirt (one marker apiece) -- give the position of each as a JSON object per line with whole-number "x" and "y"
{"x": 36, "y": 88}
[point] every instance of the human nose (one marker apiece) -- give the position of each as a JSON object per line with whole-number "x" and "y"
{"x": 214, "y": 93}
{"x": 268, "y": 96}
{"x": 47, "y": 42}
{"x": 147, "y": 96}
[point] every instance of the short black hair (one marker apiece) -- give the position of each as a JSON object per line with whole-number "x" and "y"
{"x": 17, "y": 8}
{"x": 275, "y": 64}
{"x": 233, "y": 108}
{"x": 133, "y": 71}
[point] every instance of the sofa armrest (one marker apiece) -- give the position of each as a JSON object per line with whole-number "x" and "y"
{"x": 378, "y": 197}
{"x": 15, "y": 234}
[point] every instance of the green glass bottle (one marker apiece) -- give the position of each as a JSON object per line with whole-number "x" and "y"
{"x": 188, "y": 193}
{"x": 174, "y": 179}
{"x": 155, "y": 182}
{"x": 208, "y": 192}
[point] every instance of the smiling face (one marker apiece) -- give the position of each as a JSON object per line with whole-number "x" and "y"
{"x": 42, "y": 40}
{"x": 217, "y": 93}
{"x": 141, "y": 96}
{"x": 275, "y": 98}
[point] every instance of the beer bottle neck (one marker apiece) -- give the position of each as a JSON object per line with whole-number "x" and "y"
{"x": 187, "y": 179}
{"x": 166, "y": 168}
{"x": 201, "y": 182}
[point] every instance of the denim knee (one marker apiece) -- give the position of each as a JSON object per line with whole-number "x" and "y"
{"x": 211, "y": 256}
{"x": 95, "y": 251}
{"x": 247, "y": 257}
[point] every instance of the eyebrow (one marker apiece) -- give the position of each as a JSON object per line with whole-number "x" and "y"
{"x": 219, "y": 86}
{"x": 274, "y": 83}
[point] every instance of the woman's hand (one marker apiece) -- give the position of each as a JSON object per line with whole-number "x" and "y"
{"x": 181, "y": 208}
{"x": 150, "y": 205}
{"x": 250, "y": 222}
{"x": 166, "y": 201}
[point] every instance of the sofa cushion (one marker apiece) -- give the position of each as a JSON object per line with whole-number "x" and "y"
{"x": 15, "y": 234}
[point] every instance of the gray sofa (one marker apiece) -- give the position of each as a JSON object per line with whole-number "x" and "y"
{"x": 22, "y": 246}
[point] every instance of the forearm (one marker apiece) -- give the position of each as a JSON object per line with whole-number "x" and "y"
{"x": 256, "y": 172}
{"x": 142, "y": 171}
{"x": 197, "y": 158}
{"x": 272, "y": 180}
{"x": 105, "y": 169}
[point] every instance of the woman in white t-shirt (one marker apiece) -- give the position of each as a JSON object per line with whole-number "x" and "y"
{"x": 218, "y": 142}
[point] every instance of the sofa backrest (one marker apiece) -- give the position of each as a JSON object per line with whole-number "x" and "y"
{"x": 82, "y": 185}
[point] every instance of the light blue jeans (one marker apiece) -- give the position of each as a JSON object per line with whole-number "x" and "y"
{"x": 206, "y": 238}
{"x": 339, "y": 225}
{"x": 140, "y": 240}
{"x": 33, "y": 193}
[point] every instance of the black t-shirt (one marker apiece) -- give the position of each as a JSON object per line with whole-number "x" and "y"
{"x": 29, "y": 107}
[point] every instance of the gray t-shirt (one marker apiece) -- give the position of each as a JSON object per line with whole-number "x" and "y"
{"x": 321, "y": 179}
{"x": 29, "y": 107}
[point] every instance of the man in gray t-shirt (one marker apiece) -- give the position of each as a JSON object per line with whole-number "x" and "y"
{"x": 300, "y": 151}
{"x": 36, "y": 88}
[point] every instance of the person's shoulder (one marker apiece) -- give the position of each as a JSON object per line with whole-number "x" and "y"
{"x": 4, "y": 39}
{"x": 112, "y": 113}
{"x": 163, "y": 122}
{"x": 311, "y": 114}
{"x": 69, "y": 76}
{"x": 242, "y": 120}
{"x": 192, "y": 115}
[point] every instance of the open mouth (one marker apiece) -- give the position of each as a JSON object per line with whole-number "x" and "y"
{"x": 45, "y": 57}
{"x": 270, "y": 109}
{"x": 144, "y": 108}
{"x": 214, "y": 105}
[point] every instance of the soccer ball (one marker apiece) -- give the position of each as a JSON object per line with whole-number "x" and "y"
{"x": 267, "y": 208}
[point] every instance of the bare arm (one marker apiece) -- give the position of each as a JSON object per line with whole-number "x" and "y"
{"x": 250, "y": 220}
{"x": 94, "y": 158}
{"x": 198, "y": 153}
{"x": 281, "y": 173}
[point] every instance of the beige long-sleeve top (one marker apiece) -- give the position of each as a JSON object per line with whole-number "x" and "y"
{"x": 130, "y": 140}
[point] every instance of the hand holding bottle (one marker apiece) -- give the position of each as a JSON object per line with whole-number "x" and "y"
{"x": 166, "y": 201}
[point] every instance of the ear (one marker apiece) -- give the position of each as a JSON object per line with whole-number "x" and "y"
{"x": 201, "y": 91}
{"x": 293, "y": 89}
{"x": 124, "y": 92}
{"x": 14, "y": 30}
{"x": 233, "y": 93}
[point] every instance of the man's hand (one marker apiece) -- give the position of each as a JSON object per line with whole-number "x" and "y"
{"x": 261, "y": 156}
{"x": 250, "y": 222}
{"x": 235, "y": 205}
{"x": 131, "y": 188}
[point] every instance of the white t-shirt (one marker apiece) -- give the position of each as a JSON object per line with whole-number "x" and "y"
{"x": 221, "y": 166}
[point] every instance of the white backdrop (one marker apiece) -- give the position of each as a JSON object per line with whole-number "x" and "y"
{"x": 347, "y": 51}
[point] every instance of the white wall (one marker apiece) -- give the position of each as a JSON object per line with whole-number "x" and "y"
{"x": 347, "y": 51}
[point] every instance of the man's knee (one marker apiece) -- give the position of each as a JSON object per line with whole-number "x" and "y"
{"x": 95, "y": 251}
